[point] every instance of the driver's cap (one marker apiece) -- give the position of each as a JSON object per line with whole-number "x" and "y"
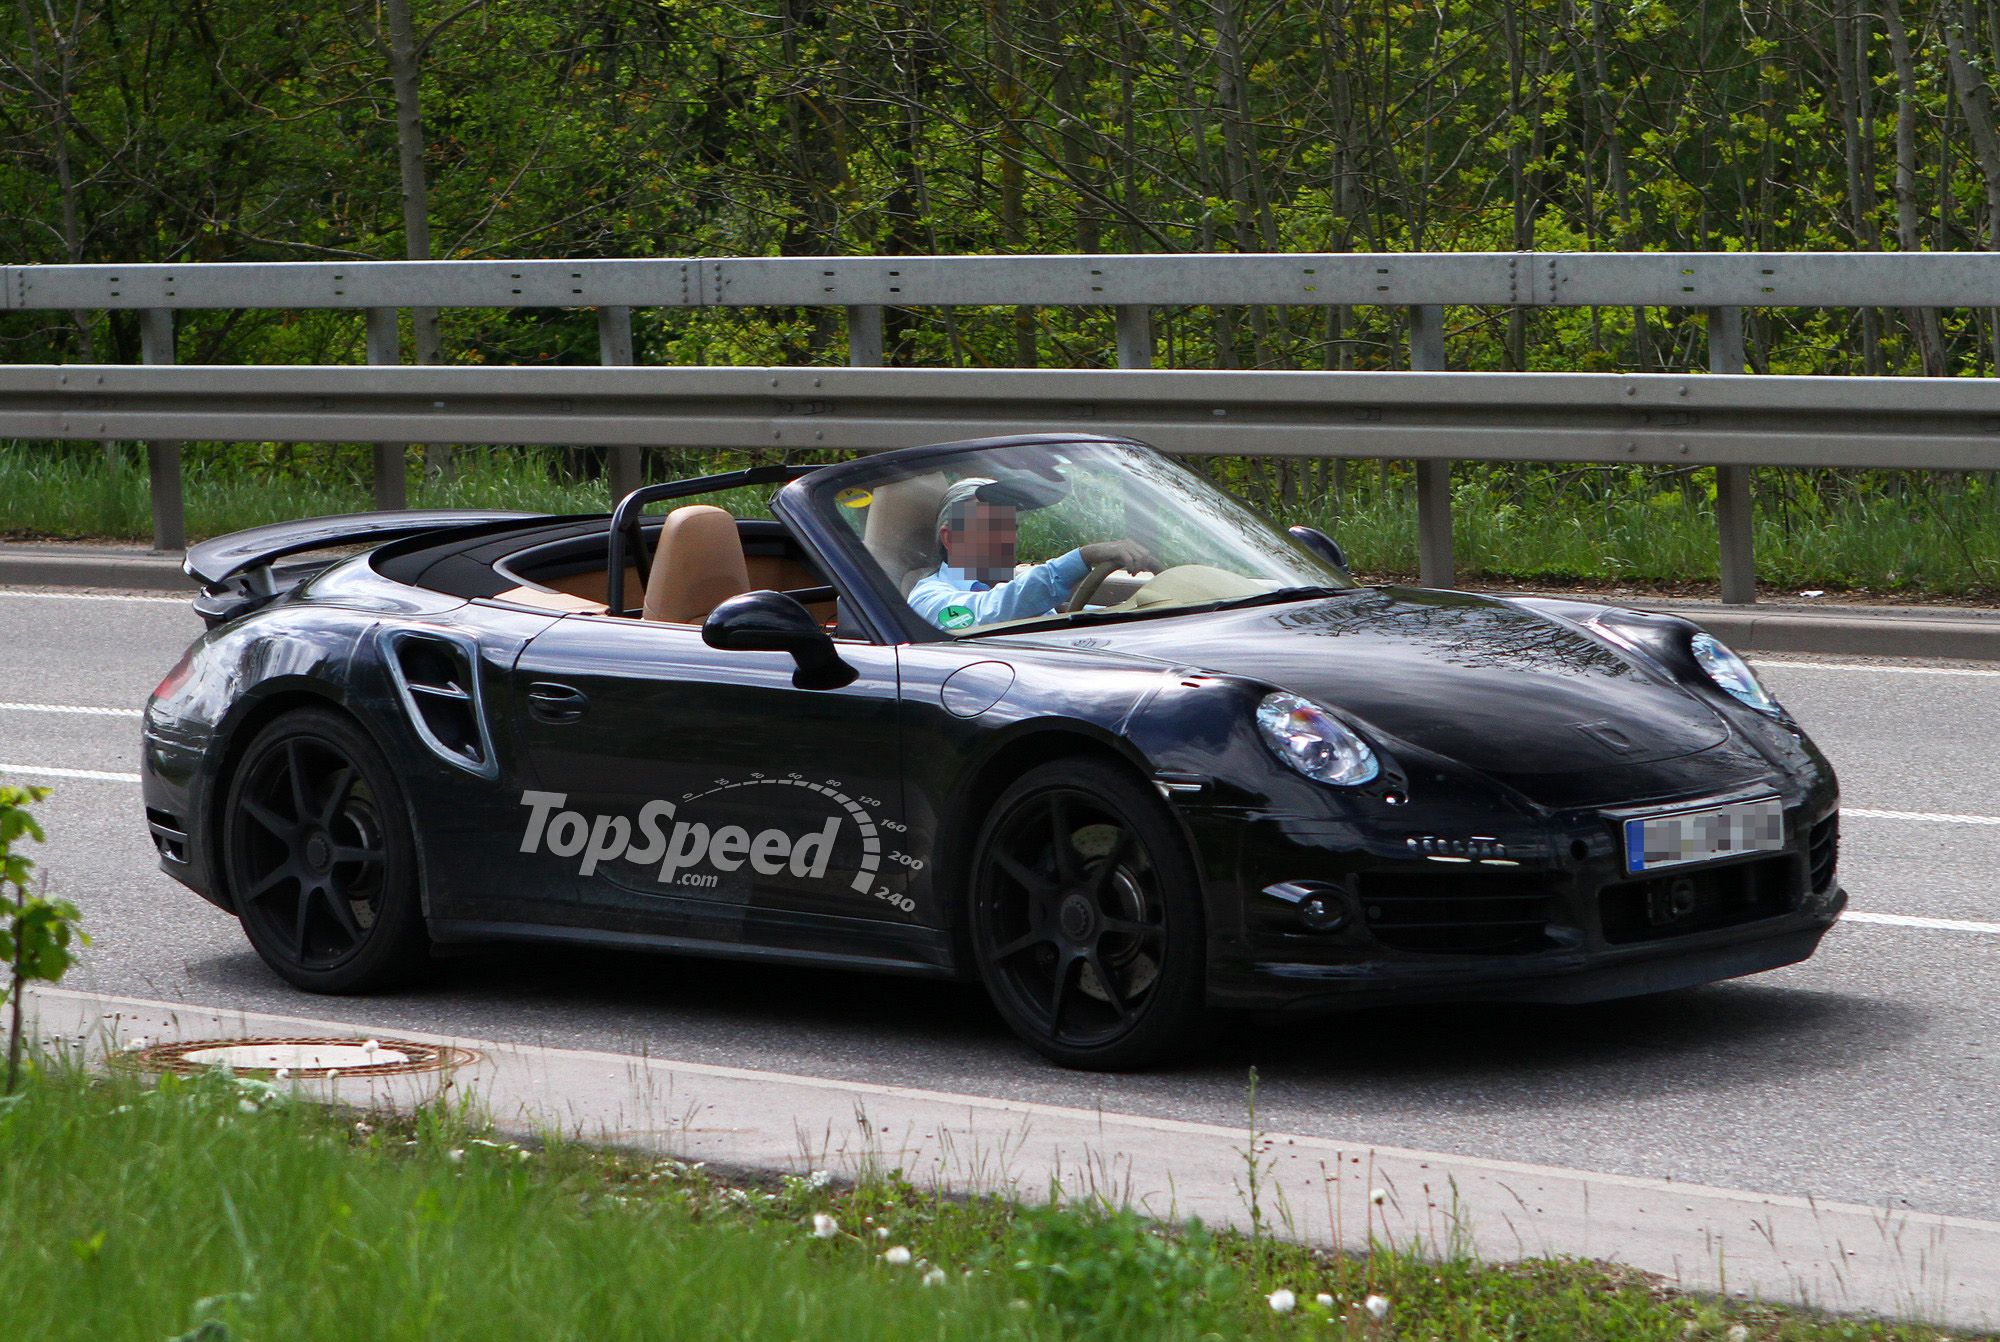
{"x": 958, "y": 492}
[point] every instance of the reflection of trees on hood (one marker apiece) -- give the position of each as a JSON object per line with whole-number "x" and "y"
{"x": 1471, "y": 634}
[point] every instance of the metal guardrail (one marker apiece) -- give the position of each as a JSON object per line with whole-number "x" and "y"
{"x": 1403, "y": 279}
{"x": 1737, "y": 420}
{"x": 1825, "y": 421}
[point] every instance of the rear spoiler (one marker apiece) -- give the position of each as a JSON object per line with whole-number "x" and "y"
{"x": 235, "y": 570}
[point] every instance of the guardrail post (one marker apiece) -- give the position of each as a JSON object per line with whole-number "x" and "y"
{"x": 614, "y": 348}
{"x": 1732, "y": 483}
{"x": 1434, "y": 558}
{"x": 391, "y": 459}
{"x": 864, "y": 336}
{"x": 163, "y": 459}
{"x": 1135, "y": 335}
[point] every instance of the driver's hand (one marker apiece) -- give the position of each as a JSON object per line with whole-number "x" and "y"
{"x": 1126, "y": 554}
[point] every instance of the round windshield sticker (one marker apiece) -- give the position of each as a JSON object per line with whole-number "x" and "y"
{"x": 854, "y": 498}
{"x": 955, "y": 617}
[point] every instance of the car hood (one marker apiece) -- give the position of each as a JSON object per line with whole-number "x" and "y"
{"x": 1490, "y": 684}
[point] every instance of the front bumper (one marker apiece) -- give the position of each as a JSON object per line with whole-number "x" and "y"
{"x": 1543, "y": 912}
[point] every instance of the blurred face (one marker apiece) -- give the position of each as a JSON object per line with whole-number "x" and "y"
{"x": 981, "y": 539}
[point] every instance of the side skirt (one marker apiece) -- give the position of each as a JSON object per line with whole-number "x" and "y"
{"x": 933, "y": 948}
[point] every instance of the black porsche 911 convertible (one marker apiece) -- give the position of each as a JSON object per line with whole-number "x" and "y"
{"x": 1050, "y": 712}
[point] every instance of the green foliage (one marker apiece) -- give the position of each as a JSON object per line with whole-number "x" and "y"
{"x": 152, "y": 131}
{"x": 35, "y": 933}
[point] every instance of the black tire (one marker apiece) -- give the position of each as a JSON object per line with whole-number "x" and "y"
{"x": 1086, "y": 918}
{"x": 318, "y": 857}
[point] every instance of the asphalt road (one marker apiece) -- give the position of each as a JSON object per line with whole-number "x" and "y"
{"x": 1870, "y": 1074}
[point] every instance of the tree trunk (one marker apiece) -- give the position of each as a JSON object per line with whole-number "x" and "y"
{"x": 1923, "y": 321}
{"x": 1975, "y": 105}
{"x": 405, "y": 73}
{"x": 1007, "y": 96}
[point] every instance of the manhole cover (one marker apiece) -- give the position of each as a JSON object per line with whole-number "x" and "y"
{"x": 298, "y": 1057}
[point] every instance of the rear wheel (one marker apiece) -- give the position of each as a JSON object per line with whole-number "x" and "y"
{"x": 319, "y": 858}
{"x": 1086, "y": 919}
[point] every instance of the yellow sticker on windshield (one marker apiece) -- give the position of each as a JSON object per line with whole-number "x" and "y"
{"x": 854, "y": 498}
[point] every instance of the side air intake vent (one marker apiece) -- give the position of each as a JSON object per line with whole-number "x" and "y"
{"x": 438, "y": 679}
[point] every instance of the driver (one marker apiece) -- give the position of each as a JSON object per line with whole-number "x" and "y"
{"x": 976, "y": 583}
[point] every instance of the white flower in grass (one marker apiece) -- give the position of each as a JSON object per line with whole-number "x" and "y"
{"x": 1282, "y": 1301}
{"x": 819, "y": 1179}
{"x": 935, "y": 1277}
{"x": 363, "y": 1127}
{"x": 333, "y": 1074}
{"x": 1378, "y": 1196}
{"x": 456, "y": 1155}
{"x": 1323, "y": 1300}
{"x": 881, "y": 1232}
{"x": 896, "y": 1256}
{"x": 1377, "y": 1307}
{"x": 139, "y": 1042}
{"x": 282, "y": 1074}
{"x": 247, "y": 1106}
{"x": 1737, "y": 1332}
{"x": 371, "y": 1047}
{"x": 824, "y": 1226}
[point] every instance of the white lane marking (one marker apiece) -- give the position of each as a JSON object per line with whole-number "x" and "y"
{"x": 1864, "y": 666}
{"x": 96, "y": 596}
{"x": 1927, "y": 924}
{"x": 1933, "y": 817}
{"x": 71, "y": 708}
{"x": 49, "y": 771}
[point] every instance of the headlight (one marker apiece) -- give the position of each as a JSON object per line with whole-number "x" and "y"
{"x": 1731, "y": 673}
{"x": 1314, "y": 742}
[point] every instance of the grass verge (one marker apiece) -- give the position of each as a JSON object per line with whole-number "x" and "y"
{"x": 1874, "y": 532}
{"x": 220, "y": 1208}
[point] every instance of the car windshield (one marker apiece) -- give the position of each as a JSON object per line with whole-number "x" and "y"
{"x": 1021, "y": 534}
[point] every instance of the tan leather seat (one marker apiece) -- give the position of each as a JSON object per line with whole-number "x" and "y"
{"x": 901, "y": 531}
{"x": 699, "y": 565}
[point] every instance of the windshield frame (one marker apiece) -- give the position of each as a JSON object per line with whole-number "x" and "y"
{"x": 806, "y": 505}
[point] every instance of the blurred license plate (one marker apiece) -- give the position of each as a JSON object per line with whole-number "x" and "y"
{"x": 1697, "y": 836}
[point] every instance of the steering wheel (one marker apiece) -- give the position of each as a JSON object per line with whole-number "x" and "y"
{"x": 1087, "y": 586}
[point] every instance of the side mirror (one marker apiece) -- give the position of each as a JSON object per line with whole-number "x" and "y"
{"x": 1321, "y": 544}
{"x": 774, "y": 622}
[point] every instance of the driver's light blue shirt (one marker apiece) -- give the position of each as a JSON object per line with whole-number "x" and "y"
{"x": 951, "y": 599}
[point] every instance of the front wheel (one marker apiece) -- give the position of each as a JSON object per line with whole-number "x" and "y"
{"x": 1086, "y": 918}
{"x": 319, "y": 858}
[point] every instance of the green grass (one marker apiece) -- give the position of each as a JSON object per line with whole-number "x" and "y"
{"x": 1876, "y": 532}
{"x": 222, "y": 1208}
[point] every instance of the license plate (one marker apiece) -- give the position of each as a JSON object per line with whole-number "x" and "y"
{"x": 1673, "y": 840}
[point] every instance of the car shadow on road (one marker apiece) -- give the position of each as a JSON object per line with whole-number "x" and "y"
{"x": 928, "y": 1032}
{"x": 1504, "y": 1055}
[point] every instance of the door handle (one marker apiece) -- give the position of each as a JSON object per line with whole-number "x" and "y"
{"x": 550, "y": 702}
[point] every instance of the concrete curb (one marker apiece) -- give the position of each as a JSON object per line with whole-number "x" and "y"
{"x": 106, "y": 566}
{"x": 1962, "y": 638}
{"x": 1844, "y": 1257}
{"x": 1929, "y": 632}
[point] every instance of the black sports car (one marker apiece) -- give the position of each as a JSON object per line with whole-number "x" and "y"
{"x": 1052, "y": 712}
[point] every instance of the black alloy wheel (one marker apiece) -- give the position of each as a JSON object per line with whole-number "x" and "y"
{"x": 1085, "y": 918}
{"x": 318, "y": 857}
